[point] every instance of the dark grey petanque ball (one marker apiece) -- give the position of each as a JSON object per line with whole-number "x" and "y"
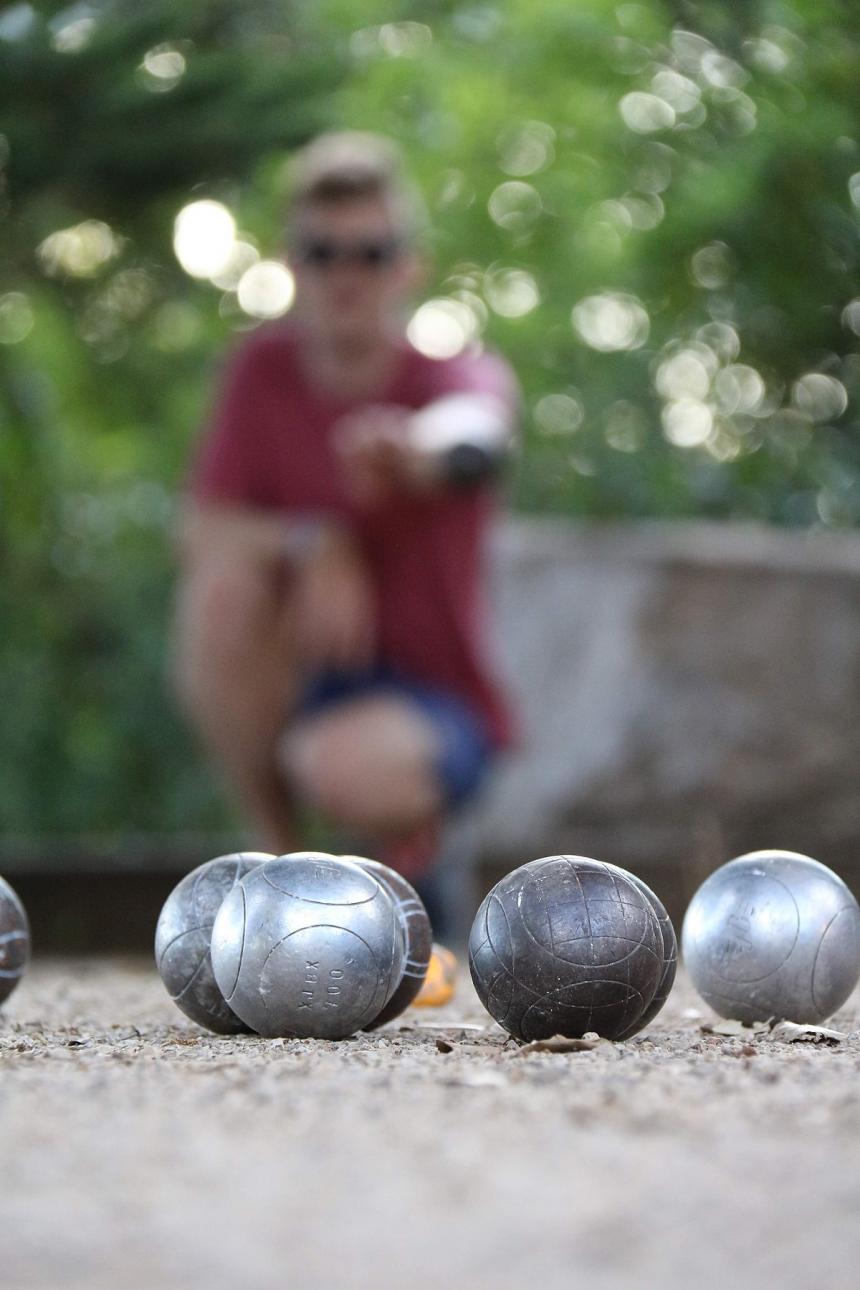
{"x": 773, "y": 934}
{"x": 308, "y": 946}
{"x": 417, "y": 934}
{"x": 670, "y": 954}
{"x": 183, "y": 934}
{"x": 14, "y": 940}
{"x": 566, "y": 945}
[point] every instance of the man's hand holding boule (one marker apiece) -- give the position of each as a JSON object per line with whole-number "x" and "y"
{"x": 457, "y": 441}
{"x": 377, "y": 454}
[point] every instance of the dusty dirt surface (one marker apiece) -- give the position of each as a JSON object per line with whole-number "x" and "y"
{"x": 139, "y": 1152}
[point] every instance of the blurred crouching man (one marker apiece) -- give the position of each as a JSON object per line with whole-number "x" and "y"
{"x": 330, "y": 622}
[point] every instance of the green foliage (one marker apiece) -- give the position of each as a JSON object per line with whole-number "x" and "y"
{"x": 672, "y": 275}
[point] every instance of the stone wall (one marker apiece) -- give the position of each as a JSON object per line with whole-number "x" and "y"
{"x": 687, "y": 692}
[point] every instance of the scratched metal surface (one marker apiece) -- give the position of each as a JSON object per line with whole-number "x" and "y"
{"x": 138, "y": 1151}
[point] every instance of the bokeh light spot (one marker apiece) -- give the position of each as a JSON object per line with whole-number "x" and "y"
{"x": 559, "y": 414}
{"x": 723, "y": 444}
{"x": 689, "y": 49}
{"x": 721, "y": 71}
{"x": 610, "y": 212}
{"x": 611, "y": 321}
{"x": 721, "y": 338}
{"x": 404, "y": 39}
{"x": 16, "y": 317}
{"x": 514, "y": 205}
{"x": 203, "y": 236}
{"x": 526, "y": 148}
{"x": 739, "y": 112}
{"x": 511, "y": 293}
{"x": 163, "y": 67}
{"x": 685, "y": 374}
{"x": 644, "y": 211}
{"x": 766, "y": 55}
{"x": 442, "y": 327}
{"x": 72, "y": 28}
{"x": 739, "y": 388}
{"x": 473, "y": 302}
{"x": 851, "y": 316}
{"x": 16, "y": 22}
{"x": 819, "y": 397}
{"x": 711, "y": 266}
{"x": 241, "y": 257}
{"x": 79, "y": 251}
{"x": 687, "y": 422}
{"x": 679, "y": 91}
{"x": 392, "y": 40}
{"x": 646, "y": 113}
{"x": 266, "y": 289}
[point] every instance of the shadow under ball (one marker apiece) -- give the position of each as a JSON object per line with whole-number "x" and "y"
{"x": 308, "y": 946}
{"x": 417, "y": 935}
{"x": 183, "y": 934}
{"x": 773, "y": 934}
{"x": 567, "y": 945}
{"x": 14, "y": 939}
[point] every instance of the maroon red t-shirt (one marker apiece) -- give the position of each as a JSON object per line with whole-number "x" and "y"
{"x": 269, "y": 446}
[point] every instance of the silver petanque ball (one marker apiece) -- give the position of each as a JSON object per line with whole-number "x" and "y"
{"x": 308, "y": 946}
{"x": 14, "y": 939}
{"x": 183, "y": 934}
{"x": 773, "y": 934}
{"x": 417, "y": 934}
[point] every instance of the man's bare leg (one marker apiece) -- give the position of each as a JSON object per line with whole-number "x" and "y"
{"x": 368, "y": 764}
{"x": 236, "y": 678}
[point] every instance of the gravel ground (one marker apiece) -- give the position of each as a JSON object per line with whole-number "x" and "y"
{"x": 139, "y": 1152}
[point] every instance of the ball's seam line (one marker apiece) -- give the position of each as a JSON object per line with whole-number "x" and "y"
{"x": 308, "y": 900}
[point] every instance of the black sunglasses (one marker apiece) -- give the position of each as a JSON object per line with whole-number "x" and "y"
{"x": 323, "y": 252}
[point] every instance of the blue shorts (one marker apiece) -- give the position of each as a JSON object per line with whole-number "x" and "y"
{"x": 465, "y": 750}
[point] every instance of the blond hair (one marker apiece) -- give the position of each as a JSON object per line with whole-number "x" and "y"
{"x": 343, "y": 165}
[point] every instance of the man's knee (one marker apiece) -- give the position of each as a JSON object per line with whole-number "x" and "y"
{"x": 356, "y": 776}
{"x": 320, "y": 759}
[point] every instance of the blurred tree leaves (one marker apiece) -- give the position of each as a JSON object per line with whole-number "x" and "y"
{"x": 652, "y": 208}
{"x": 100, "y": 396}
